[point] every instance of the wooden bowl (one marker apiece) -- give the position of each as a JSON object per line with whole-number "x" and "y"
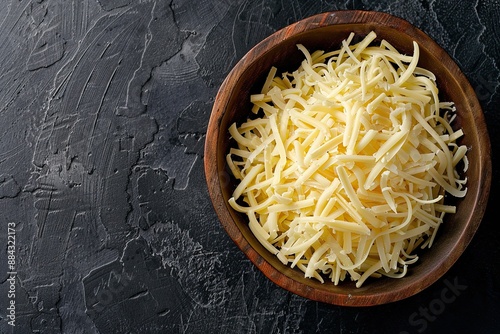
{"x": 326, "y": 31}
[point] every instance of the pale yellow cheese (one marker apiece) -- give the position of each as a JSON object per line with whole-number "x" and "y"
{"x": 343, "y": 171}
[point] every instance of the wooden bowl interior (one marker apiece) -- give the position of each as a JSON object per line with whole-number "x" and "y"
{"x": 232, "y": 105}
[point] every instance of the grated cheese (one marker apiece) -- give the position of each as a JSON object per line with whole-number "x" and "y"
{"x": 344, "y": 170}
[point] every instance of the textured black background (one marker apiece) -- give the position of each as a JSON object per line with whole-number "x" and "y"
{"x": 103, "y": 111}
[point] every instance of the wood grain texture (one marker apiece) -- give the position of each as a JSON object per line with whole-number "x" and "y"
{"x": 326, "y": 31}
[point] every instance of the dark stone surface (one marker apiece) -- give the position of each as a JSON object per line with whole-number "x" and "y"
{"x": 103, "y": 111}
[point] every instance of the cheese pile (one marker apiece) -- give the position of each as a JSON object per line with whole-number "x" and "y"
{"x": 343, "y": 168}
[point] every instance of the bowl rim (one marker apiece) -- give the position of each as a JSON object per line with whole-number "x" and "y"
{"x": 342, "y": 17}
